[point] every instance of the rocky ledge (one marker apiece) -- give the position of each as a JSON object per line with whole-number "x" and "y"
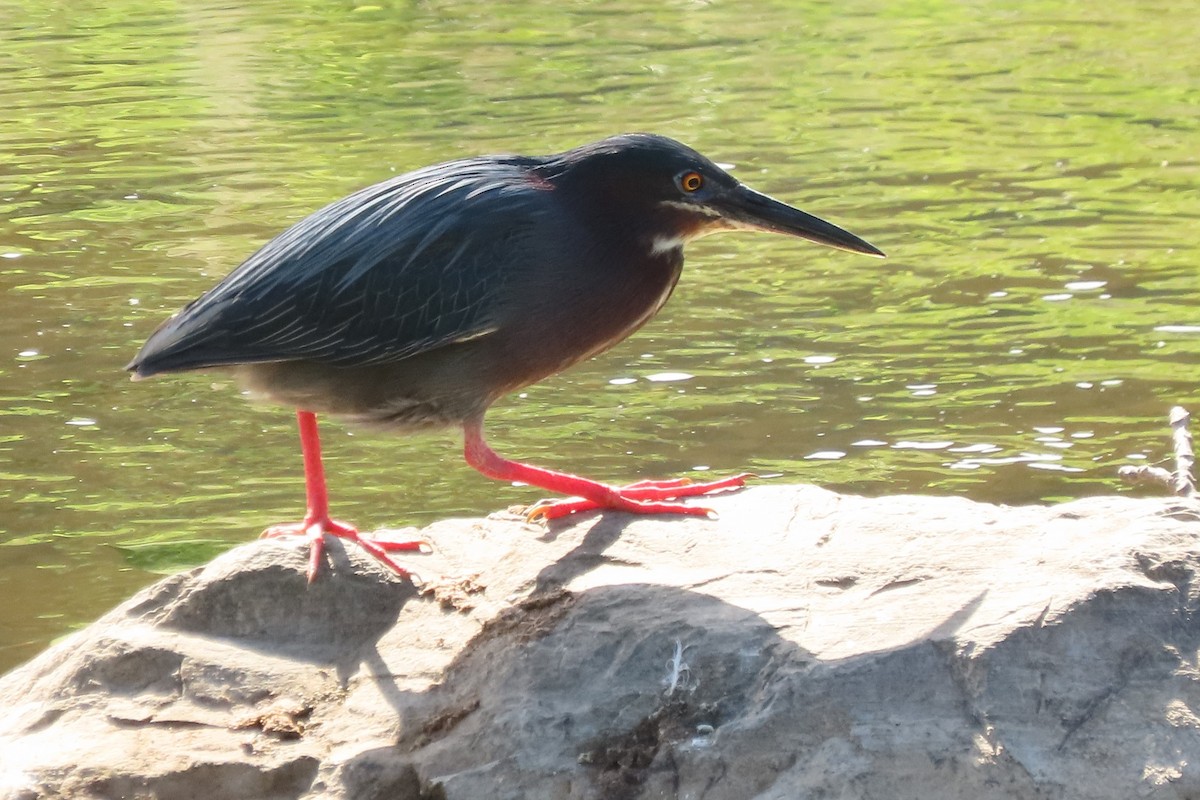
{"x": 807, "y": 644}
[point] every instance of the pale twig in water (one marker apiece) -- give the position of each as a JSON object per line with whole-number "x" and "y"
{"x": 1185, "y": 458}
{"x": 1181, "y": 481}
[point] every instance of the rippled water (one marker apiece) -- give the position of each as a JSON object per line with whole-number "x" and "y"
{"x": 1030, "y": 167}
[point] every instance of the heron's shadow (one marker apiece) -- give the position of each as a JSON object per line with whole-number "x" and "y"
{"x": 585, "y": 556}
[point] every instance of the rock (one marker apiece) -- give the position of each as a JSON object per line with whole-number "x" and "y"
{"x": 805, "y": 645}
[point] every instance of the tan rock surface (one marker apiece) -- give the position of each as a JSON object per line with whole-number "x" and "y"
{"x": 807, "y": 644}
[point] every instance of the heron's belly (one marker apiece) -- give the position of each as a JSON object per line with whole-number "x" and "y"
{"x": 382, "y": 395}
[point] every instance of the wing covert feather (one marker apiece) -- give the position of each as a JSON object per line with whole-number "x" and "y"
{"x": 395, "y": 269}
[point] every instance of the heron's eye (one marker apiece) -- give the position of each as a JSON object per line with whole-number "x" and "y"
{"x": 691, "y": 181}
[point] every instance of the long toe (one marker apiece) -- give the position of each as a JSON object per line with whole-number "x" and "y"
{"x": 556, "y": 509}
{"x": 380, "y": 552}
{"x": 643, "y": 497}
{"x": 667, "y": 490}
{"x": 284, "y": 529}
{"x": 315, "y": 530}
{"x": 392, "y": 542}
{"x": 669, "y": 483}
{"x": 306, "y": 528}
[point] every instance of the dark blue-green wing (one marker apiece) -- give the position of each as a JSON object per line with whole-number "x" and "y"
{"x": 398, "y": 268}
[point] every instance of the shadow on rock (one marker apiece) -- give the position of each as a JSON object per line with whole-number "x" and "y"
{"x": 271, "y": 607}
{"x": 616, "y": 685}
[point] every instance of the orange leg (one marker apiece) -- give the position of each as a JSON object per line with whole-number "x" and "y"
{"x": 643, "y": 497}
{"x": 317, "y": 521}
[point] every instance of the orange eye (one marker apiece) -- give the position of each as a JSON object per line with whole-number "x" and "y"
{"x": 691, "y": 181}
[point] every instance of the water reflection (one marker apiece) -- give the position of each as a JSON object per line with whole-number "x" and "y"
{"x": 1030, "y": 168}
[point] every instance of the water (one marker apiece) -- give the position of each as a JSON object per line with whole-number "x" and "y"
{"x": 1030, "y": 167}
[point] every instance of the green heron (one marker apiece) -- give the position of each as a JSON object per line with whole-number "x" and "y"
{"x": 419, "y": 301}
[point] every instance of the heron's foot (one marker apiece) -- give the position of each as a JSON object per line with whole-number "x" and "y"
{"x": 315, "y": 529}
{"x": 643, "y": 497}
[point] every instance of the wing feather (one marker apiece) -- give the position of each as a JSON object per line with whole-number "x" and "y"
{"x": 395, "y": 269}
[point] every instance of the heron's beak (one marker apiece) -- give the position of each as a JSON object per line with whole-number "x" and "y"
{"x": 742, "y": 207}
